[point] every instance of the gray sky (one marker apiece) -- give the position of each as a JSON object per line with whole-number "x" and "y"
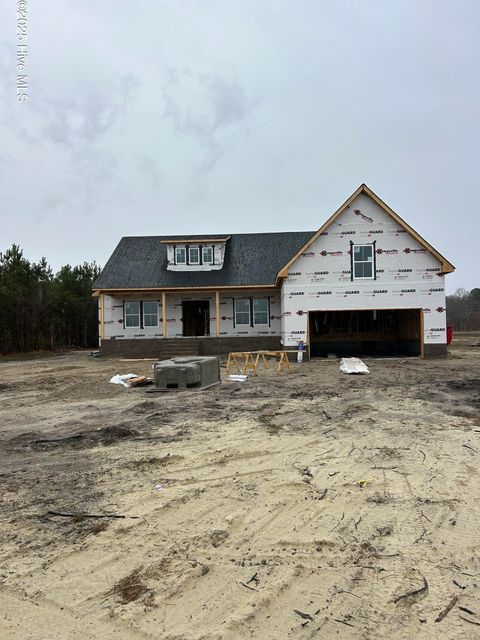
{"x": 158, "y": 117}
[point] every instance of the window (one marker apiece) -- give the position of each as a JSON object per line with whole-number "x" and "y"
{"x": 194, "y": 255}
{"x": 150, "y": 314}
{"x": 242, "y": 312}
{"x": 132, "y": 314}
{"x": 260, "y": 311}
{"x": 180, "y": 255}
{"x": 207, "y": 255}
{"x": 363, "y": 261}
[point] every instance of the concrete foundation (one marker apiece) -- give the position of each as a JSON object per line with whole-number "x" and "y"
{"x": 435, "y": 351}
{"x": 163, "y": 348}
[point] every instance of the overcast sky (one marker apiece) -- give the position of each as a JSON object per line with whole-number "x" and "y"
{"x": 198, "y": 116}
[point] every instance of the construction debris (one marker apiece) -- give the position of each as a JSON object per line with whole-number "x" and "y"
{"x": 238, "y": 378}
{"x": 353, "y": 365}
{"x": 123, "y": 378}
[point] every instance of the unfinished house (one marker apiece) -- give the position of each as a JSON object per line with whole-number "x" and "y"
{"x": 365, "y": 283}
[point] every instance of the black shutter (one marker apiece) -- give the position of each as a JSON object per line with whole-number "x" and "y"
{"x": 213, "y": 254}
{"x": 233, "y": 302}
{"x": 141, "y": 314}
{"x": 174, "y": 254}
{"x": 374, "y": 260}
{"x": 187, "y": 257}
{"x": 269, "y": 323}
{"x": 123, "y": 306}
{"x": 351, "y": 260}
{"x": 200, "y": 251}
{"x": 251, "y": 312}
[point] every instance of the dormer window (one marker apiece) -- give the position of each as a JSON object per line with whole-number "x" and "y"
{"x": 194, "y": 255}
{"x": 180, "y": 255}
{"x": 207, "y": 255}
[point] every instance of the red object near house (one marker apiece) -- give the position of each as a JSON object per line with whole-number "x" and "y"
{"x": 449, "y": 334}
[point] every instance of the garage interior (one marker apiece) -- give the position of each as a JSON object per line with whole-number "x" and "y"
{"x": 379, "y": 332}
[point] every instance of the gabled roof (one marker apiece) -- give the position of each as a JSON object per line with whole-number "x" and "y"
{"x": 251, "y": 259}
{"x": 447, "y": 267}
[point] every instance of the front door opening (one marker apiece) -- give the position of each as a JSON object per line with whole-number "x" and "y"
{"x": 196, "y": 317}
{"x": 381, "y": 332}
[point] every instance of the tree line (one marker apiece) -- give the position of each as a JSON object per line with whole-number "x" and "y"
{"x": 40, "y": 309}
{"x": 463, "y": 310}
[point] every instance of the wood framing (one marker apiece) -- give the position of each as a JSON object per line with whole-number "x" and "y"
{"x": 422, "y": 336}
{"x": 217, "y": 313}
{"x": 102, "y": 317}
{"x": 164, "y": 314}
{"x": 183, "y": 289}
{"x": 195, "y": 240}
{"x": 447, "y": 267}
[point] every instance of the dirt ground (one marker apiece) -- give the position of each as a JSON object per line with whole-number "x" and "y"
{"x": 303, "y": 505}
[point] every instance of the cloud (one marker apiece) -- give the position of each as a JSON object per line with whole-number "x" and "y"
{"x": 88, "y": 113}
{"x": 221, "y": 107}
{"x": 95, "y": 170}
{"x": 148, "y": 167}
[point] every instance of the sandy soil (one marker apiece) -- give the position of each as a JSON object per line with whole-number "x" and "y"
{"x": 301, "y": 505}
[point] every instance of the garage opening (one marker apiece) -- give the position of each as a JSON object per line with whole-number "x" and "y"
{"x": 392, "y": 332}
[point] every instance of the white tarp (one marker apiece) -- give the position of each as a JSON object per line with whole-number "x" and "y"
{"x": 122, "y": 379}
{"x": 353, "y": 365}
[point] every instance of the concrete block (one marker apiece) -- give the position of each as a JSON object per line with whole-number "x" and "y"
{"x": 189, "y": 372}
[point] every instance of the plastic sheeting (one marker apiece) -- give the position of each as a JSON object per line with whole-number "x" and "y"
{"x": 353, "y": 365}
{"x": 122, "y": 379}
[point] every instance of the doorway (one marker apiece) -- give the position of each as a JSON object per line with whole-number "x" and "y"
{"x": 381, "y": 332}
{"x": 196, "y": 317}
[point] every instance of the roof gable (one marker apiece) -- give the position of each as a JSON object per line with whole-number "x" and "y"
{"x": 447, "y": 267}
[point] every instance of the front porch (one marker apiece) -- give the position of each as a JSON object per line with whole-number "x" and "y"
{"x": 164, "y": 323}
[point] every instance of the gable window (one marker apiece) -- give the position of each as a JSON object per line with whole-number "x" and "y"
{"x": 363, "y": 261}
{"x": 194, "y": 255}
{"x": 207, "y": 255}
{"x": 150, "y": 314}
{"x": 132, "y": 314}
{"x": 260, "y": 311}
{"x": 242, "y": 312}
{"x": 180, "y": 255}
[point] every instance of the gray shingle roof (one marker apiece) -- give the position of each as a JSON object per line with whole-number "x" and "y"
{"x": 250, "y": 258}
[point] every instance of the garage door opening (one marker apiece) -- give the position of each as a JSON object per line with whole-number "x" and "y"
{"x": 392, "y": 332}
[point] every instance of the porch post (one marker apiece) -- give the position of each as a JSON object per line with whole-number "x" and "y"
{"x": 102, "y": 316}
{"x": 217, "y": 312}
{"x": 164, "y": 314}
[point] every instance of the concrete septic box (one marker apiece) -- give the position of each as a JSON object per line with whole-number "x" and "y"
{"x": 195, "y": 372}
